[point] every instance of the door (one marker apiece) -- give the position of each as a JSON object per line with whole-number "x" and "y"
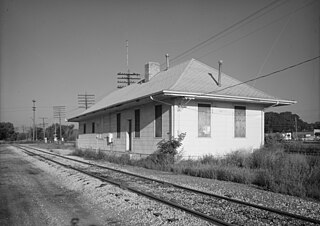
{"x": 129, "y": 136}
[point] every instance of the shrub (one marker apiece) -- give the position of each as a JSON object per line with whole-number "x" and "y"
{"x": 273, "y": 139}
{"x": 77, "y": 152}
{"x": 263, "y": 179}
{"x": 209, "y": 159}
{"x": 269, "y": 167}
{"x": 312, "y": 183}
{"x": 165, "y": 154}
{"x": 234, "y": 174}
{"x": 265, "y": 158}
{"x": 170, "y": 146}
{"x": 237, "y": 158}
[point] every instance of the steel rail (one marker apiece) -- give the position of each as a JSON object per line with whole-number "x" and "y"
{"x": 197, "y": 214}
{"x": 269, "y": 209}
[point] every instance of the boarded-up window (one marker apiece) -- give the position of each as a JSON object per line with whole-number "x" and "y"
{"x": 239, "y": 121}
{"x": 158, "y": 120}
{"x": 93, "y": 127}
{"x": 118, "y": 125}
{"x": 204, "y": 120}
{"x": 137, "y": 123}
{"x": 84, "y": 128}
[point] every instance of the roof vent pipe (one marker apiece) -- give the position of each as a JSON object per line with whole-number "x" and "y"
{"x": 219, "y": 76}
{"x": 167, "y": 62}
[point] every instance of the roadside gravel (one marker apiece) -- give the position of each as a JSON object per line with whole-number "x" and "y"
{"x": 164, "y": 215}
{"x": 111, "y": 204}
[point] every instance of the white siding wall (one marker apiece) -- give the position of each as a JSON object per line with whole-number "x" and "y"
{"x": 107, "y": 123}
{"x": 222, "y": 140}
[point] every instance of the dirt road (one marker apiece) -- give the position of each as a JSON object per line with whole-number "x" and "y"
{"x": 29, "y": 196}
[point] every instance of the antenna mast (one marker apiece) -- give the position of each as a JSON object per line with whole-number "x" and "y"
{"x": 127, "y": 78}
{"x": 127, "y": 47}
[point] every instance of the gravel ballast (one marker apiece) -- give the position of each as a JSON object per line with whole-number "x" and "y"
{"x": 141, "y": 211}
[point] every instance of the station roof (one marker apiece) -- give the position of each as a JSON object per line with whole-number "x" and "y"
{"x": 191, "y": 78}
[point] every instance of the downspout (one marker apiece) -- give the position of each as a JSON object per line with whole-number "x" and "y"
{"x": 173, "y": 121}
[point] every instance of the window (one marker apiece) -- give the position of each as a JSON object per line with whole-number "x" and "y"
{"x": 84, "y": 128}
{"x": 137, "y": 123}
{"x": 158, "y": 120}
{"x": 204, "y": 120}
{"x": 118, "y": 125}
{"x": 239, "y": 121}
{"x": 93, "y": 129}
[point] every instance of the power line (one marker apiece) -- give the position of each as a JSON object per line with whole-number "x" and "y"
{"x": 127, "y": 79}
{"x": 256, "y": 30}
{"x": 250, "y": 80}
{"x": 267, "y": 75}
{"x": 86, "y": 100}
{"x": 224, "y": 30}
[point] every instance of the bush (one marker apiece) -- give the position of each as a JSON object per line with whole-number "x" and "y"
{"x": 170, "y": 146}
{"x": 312, "y": 183}
{"x": 165, "y": 154}
{"x": 271, "y": 140}
{"x": 209, "y": 159}
{"x": 270, "y": 168}
{"x": 157, "y": 161}
{"x": 237, "y": 158}
{"x": 263, "y": 179}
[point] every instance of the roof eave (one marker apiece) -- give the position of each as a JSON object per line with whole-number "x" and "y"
{"x": 83, "y": 115}
{"x": 275, "y": 102}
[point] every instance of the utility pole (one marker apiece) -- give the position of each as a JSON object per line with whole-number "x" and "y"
{"x": 44, "y": 128}
{"x": 86, "y": 100}
{"x": 296, "y": 125}
{"x": 127, "y": 78}
{"x": 58, "y": 113}
{"x": 34, "y": 120}
{"x": 24, "y": 131}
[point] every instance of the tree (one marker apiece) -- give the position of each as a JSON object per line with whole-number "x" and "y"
{"x": 68, "y": 132}
{"x": 7, "y": 131}
{"x": 286, "y": 122}
{"x": 21, "y": 136}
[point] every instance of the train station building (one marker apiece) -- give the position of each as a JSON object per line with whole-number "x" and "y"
{"x": 218, "y": 113}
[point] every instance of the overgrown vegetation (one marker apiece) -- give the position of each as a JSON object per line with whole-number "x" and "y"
{"x": 270, "y": 167}
{"x": 70, "y": 145}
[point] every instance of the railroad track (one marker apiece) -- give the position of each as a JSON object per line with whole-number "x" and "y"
{"x": 201, "y": 204}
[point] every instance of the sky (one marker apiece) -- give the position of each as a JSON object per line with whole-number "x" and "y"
{"x": 53, "y": 50}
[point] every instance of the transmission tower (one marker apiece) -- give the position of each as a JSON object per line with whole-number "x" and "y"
{"x": 126, "y": 79}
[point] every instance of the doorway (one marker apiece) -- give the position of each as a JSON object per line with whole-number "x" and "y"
{"x": 129, "y": 136}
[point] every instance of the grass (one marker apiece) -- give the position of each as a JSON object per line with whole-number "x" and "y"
{"x": 70, "y": 146}
{"x": 270, "y": 168}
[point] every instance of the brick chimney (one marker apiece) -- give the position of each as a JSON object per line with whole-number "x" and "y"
{"x": 151, "y": 69}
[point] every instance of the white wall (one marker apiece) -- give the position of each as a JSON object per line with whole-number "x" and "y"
{"x": 222, "y": 140}
{"x": 107, "y": 123}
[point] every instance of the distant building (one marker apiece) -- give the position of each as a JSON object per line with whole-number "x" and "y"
{"x": 316, "y": 134}
{"x": 287, "y": 136}
{"x": 218, "y": 115}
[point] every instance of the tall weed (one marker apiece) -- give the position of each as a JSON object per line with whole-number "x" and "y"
{"x": 270, "y": 168}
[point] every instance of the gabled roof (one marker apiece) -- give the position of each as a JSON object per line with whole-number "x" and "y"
{"x": 189, "y": 78}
